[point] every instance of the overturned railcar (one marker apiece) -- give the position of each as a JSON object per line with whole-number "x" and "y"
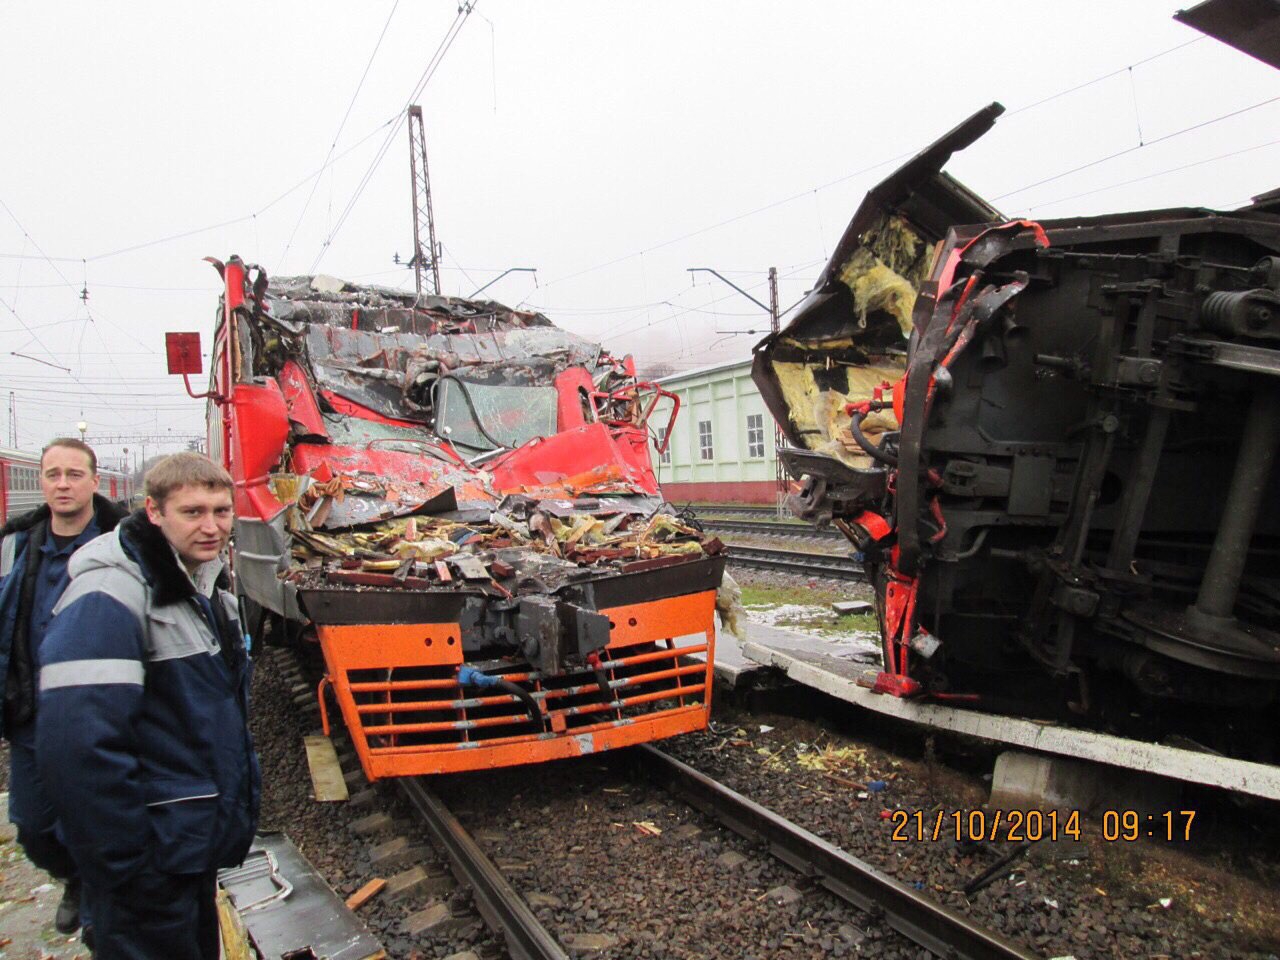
{"x": 1052, "y": 445}
{"x": 455, "y": 500}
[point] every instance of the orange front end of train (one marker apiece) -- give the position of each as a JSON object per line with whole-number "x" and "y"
{"x": 455, "y": 501}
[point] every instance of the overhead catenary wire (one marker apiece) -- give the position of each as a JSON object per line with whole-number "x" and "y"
{"x": 93, "y": 393}
{"x": 464, "y": 12}
{"x": 726, "y": 222}
{"x": 686, "y": 310}
{"x": 341, "y": 126}
{"x": 813, "y": 191}
{"x": 1119, "y": 153}
{"x": 1158, "y": 173}
{"x": 1101, "y": 77}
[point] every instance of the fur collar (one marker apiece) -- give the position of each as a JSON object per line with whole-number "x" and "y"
{"x": 104, "y": 511}
{"x": 147, "y": 546}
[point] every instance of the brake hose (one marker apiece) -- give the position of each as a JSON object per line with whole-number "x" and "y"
{"x": 471, "y": 677}
{"x": 855, "y": 427}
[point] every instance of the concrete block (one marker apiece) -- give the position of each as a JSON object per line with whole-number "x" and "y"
{"x": 354, "y": 778}
{"x": 1030, "y": 781}
{"x": 686, "y": 831}
{"x": 584, "y": 944}
{"x": 363, "y": 798}
{"x": 731, "y": 860}
{"x": 396, "y": 852}
{"x": 464, "y": 955}
{"x": 407, "y": 883}
{"x": 538, "y": 900}
{"x": 847, "y": 607}
{"x": 784, "y": 896}
{"x": 372, "y": 825}
{"x": 434, "y": 919}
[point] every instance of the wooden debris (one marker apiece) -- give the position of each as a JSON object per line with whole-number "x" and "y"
{"x": 366, "y": 893}
{"x": 326, "y": 773}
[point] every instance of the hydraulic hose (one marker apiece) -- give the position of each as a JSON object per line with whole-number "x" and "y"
{"x": 871, "y": 449}
{"x": 471, "y": 677}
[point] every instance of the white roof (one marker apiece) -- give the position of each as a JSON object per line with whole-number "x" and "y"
{"x": 703, "y": 371}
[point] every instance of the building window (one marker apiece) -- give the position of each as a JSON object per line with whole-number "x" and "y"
{"x": 755, "y": 435}
{"x": 706, "y": 450}
{"x": 665, "y": 455}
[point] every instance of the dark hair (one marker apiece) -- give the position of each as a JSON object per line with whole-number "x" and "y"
{"x": 185, "y": 470}
{"x": 71, "y": 444}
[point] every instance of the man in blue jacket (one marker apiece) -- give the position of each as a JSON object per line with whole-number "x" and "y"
{"x": 142, "y": 734}
{"x": 35, "y": 549}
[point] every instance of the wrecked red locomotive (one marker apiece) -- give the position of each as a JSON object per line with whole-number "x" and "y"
{"x": 455, "y": 500}
{"x": 1052, "y": 445}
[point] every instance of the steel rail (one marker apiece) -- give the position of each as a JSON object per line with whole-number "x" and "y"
{"x": 501, "y": 907}
{"x": 733, "y": 509}
{"x": 773, "y": 528}
{"x": 798, "y": 561}
{"x": 922, "y": 920}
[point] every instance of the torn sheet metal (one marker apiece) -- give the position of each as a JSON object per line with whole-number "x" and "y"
{"x": 454, "y": 448}
{"x": 1252, "y": 26}
{"x": 858, "y": 318}
{"x": 1058, "y": 480}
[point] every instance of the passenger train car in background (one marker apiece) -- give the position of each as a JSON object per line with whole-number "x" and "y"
{"x": 455, "y": 500}
{"x": 20, "y": 483}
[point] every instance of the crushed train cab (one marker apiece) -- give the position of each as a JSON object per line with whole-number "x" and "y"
{"x": 455, "y": 499}
{"x": 1052, "y": 443}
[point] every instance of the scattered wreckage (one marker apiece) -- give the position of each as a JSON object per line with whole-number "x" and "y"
{"x": 1051, "y": 444}
{"x": 456, "y": 500}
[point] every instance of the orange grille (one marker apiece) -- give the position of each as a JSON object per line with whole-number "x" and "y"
{"x": 397, "y": 688}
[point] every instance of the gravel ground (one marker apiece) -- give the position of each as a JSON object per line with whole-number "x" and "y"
{"x": 609, "y": 862}
{"x": 1086, "y": 900}
{"x": 619, "y": 869}
{"x": 761, "y": 577}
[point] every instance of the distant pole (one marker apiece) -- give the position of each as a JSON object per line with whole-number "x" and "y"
{"x": 423, "y": 217}
{"x": 13, "y": 420}
{"x": 775, "y": 324}
{"x": 775, "y": 320}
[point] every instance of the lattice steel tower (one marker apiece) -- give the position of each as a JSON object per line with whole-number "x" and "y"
{"x": 425, "y": 261}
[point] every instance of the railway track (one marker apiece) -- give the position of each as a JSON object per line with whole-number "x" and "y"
{"x": 938, "y": 929}
{"x": 772, "y": 528}
{"x": 733, "y": 509}
{"x": 798, "y": 561}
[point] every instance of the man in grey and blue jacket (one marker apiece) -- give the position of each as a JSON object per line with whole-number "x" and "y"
{"x": 35, "y": 549}
{"x": 143, "y": 735}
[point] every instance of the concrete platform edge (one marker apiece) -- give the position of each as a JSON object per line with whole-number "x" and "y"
{"x": 1242, "y": 776}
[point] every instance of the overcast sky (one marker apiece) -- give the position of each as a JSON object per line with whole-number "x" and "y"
{"x": 611, "y": 146}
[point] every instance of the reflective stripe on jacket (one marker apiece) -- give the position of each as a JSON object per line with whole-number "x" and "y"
{"x": 142, "y": 731}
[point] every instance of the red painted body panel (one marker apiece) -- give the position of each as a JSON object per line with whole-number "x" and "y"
{"x": 591, "y": 459}
{"x": 351, "y": 409}
{"x": 349, "y": 467}
{"x": 301, "y": 401}
{"x": 570, "y": 384}
{"x": 260, "y": 426}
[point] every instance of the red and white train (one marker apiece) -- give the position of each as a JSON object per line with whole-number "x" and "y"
{"x": 20, "y": 483}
